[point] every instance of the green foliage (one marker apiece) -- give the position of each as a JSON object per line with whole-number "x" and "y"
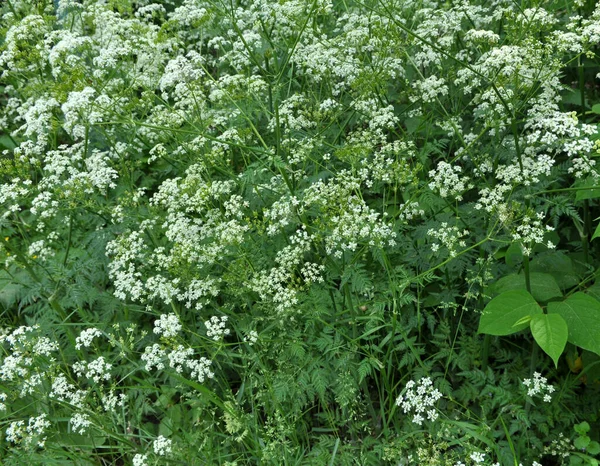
{"x": 299, "y": 232}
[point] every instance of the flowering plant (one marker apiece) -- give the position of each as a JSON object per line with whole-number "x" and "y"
{"x": 299, "y": 231}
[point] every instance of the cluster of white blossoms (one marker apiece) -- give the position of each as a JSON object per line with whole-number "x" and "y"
{"x": 560, "y": 447}
{"x": 155, "y": 357}
{"x": 25, "y": 344}
{"x": 429, "y": 89}
{"x": 216, "y": 327}
{"x": 96, "y": 370}
{"x": 86, "y": 337}
{"x": 448, "y": 181}
{"x": 531, "y": 231}
{"x": 168, "y": 325}
{"x": 420, "y": 398}
{"x": 80, "y": 422}
{"x": 30, "y": 435}
{"x": 539, "y": 386}
{"x": 449, "y": 236}
{"x": 162, "y": 445}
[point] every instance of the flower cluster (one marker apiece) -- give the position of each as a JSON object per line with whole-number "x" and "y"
{"x": 216, "y": 327}
{"x": 420, "y": 398}
{"x": 168, "y": 325}
{"x": 539, "y": 386}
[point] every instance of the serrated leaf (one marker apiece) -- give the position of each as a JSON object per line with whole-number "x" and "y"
{"x": 543, "y": 285}
{"x": 551, "y": 333}
{"x": 502, "y": 312}
{"x": 582, "y": 314}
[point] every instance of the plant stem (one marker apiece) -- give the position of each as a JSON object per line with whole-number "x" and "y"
{"x": 527, "y": 275}
{"x": 68, "y": 240}
{"x": 587, "y": 230}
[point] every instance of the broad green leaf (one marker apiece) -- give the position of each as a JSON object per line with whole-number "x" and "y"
{"x": 6, "y": 142}
{"x": 543, "y": 285}
{"x": 582, "y": 442}
{"x": 590, "y": 190}
{"x": 593, "y": 448}
{"x": 596, "y": 109}
{"x": 551, "y": 333}
{"x": 591, "y": 365}
{"x": 502, "y": 312}
{"x": 582, "y": 314}
{"x": 557, "y": 264}
{"x": 514, "y": 255}
{"x": 582, "y": 428}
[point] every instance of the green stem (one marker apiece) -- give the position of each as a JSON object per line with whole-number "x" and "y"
{"x": 581, "y": 76}
{"x": 485, "y": 352}
{"x": 587, "y": 230}
{"x": 527, "y": 275}
{"x": 68, "y": 240}
{"x": 513, "y": 125}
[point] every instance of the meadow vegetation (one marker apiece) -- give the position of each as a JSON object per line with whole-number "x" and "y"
{"x": 299, "y": 232}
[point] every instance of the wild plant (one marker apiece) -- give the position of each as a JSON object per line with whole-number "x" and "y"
{"x": 299, "y": 232}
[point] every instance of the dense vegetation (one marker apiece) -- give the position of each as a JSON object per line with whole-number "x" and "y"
{"x": 320, "y": 232}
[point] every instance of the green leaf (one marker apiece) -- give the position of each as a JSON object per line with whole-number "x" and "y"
{"x": 514, "y": 255}
{"x": 557, "y": 264}
{"x": 596, "y": 232}
{"x": 582, "y": 428}
{"x": 543, "y": 285}
{"x": 590, "y": 193}
{"x": 502, "y": 312}
{"x": 524, "y": 320}
{"x": 582, "y": 442}
{"x": 582, "y": 314}
{"x": 596, "y": 109}
{"x": 593, "y": 448}
{"x": 551, "y": 333}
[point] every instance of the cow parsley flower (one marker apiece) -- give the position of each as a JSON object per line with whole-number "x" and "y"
{"x": 162, "y": 446}
{"x": 420, "y": 399}
{"x": 539, "y": 386}
{"x": 168, "y": 325}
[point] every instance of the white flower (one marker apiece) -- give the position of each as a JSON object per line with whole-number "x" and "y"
{"x": 215, "y": 327}
{"x": 539, "y": 386}
{"x": 162, "y": 445}
{"x": 153, "y": 356}
{"x": 80, "y": 422}
{"x": 167, "y": 326}
{"x": 478, "y": 457}
{"x": 425, "y": 396}
{"x": 140, "y": 460}
{"x": 86, "y": 336}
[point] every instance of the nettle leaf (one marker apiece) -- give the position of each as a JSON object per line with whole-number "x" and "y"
{"x": 551, "y": 333}
{"x": 582, "y": 314}
{"x": 543, "y": 285}
{"x": 502, "y": 312}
